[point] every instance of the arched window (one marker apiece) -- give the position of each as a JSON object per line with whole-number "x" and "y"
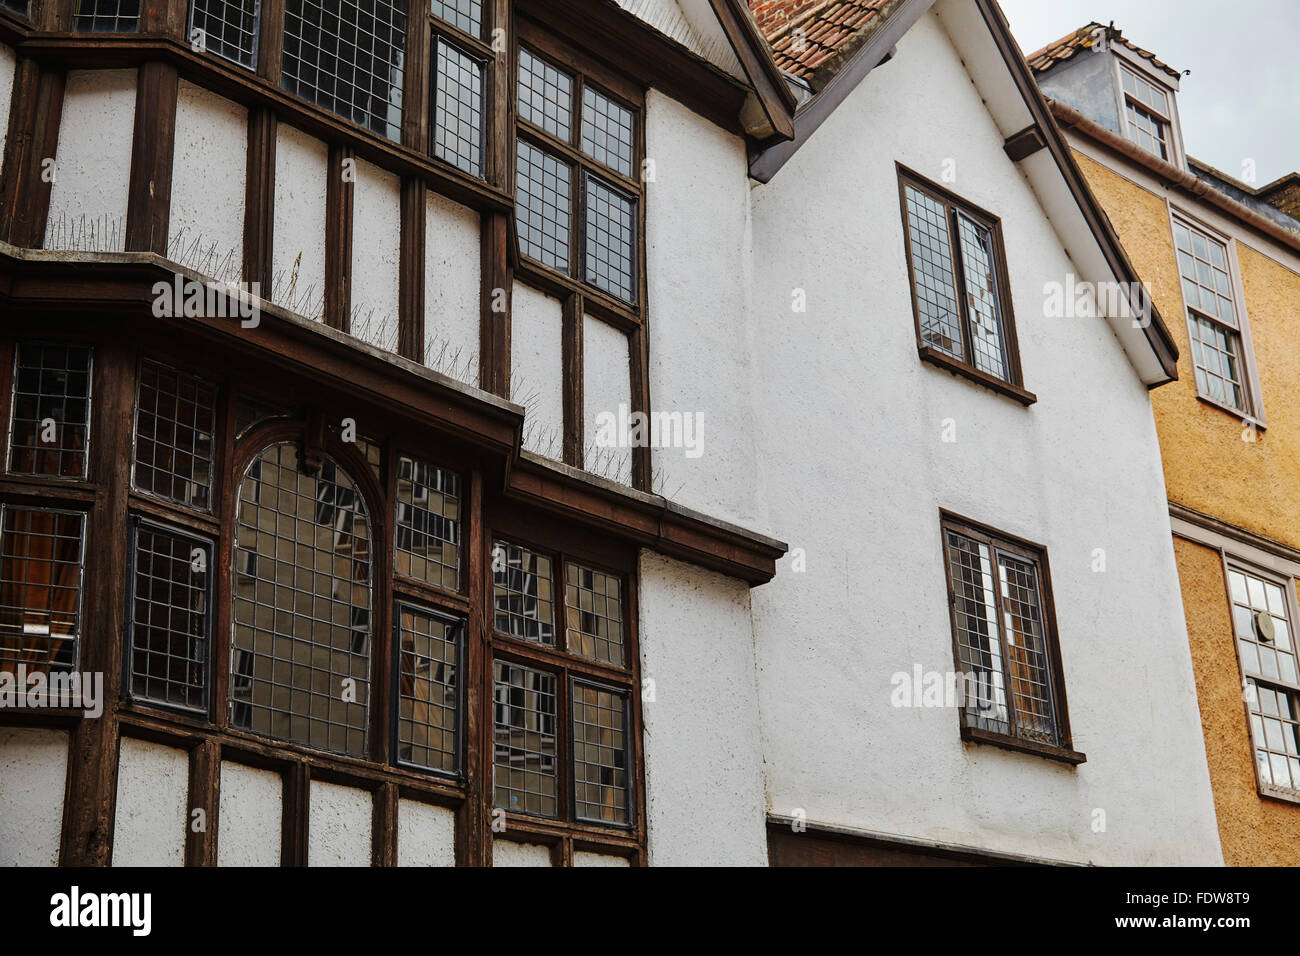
{"x": 302, "y": 604}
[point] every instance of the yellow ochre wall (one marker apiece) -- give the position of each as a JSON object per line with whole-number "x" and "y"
{"x": 1211, "y": 469}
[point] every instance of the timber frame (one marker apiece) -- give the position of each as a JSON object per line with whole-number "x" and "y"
{"x": 320, "y": 375}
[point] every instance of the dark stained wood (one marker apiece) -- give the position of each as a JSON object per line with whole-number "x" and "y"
{"x": 338, "y": 237}
{"x": 774, "y": 95}
{"x": 53, "y": 15}
{"x": 383, "y": 830}
{"x": 33, "y": 136}
{"x": 259, "y": 198}
{"x": 205, "y": 795}
{"x": 148, "y": 210}
{"x": 1024, "y": 144}
{"x": 115, "y": 51}
{"x": 164, "y": 17}
{"x": 411, "y": 295}
{"x": 90, "y": 802}
{"x": 573, "y": 375}
{"x": 473, "y": 820}
{"x": 497, "y": 291}
{"x": 502, "y": 103}
{"x": 270, "y": 41}
{"x": 295, "y": 814}
{"x": 615, "y": 37}
{"x": 418, "y": 75}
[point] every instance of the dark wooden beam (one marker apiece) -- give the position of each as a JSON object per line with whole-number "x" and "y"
{"x": 32, "y": 139}
{"x": 473, "y": 818}
{"x": 502, "y": 102}
{"x": 383, "y": 826}
{"x": 295, "y": 814}
{"x": 270, "y": 41}
{"x": 573, "y": 383}
{"x": 90, "y": 801}
{"x": 259, "y": 198}
{"x": 411, "y": 294}
{"x": 639, "y": 353}
{"x": 148, "y": 208}
{"x": 497, "y": 289}
{"x": 205, "y": 795}
{"x": 338, "y": 237}
{"x": 417, "y": 78}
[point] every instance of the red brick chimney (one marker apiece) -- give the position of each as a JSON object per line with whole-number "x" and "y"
{"x": 774, "y": 15}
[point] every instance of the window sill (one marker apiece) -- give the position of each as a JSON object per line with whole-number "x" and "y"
{"x": 1237, "y": 413}
{"x": 946, "y": 362}
{"x": 1270, "y": 792}
{"x": 1063, "y": 754}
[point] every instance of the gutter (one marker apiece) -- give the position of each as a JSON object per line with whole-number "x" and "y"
{"x": 1171, "y": 175}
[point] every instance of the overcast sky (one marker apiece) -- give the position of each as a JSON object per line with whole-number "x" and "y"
{"x": 1242, "y": 99}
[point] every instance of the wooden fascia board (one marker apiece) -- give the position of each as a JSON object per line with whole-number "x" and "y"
{"x": 1157, "y": 333}
{"x": 816, "y": 111}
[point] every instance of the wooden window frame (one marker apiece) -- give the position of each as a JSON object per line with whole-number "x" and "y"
{"x": 1254, "y": 413}
{"x": 1013, "y": 385}
{"x": 566, "y": 833}
{"x": 585, "y": 71}
{"x": 1287, "y": 584}
{"x": 111, "y": 505}
{"x": 579, "y": 299}
{"x": 1165, "y": 117}
{"x": 1036, "y": 554}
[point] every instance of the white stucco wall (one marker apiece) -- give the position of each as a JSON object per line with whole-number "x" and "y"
{"x": 33, "y": 768}
{"x": 8, "y": 64}
{"x": 153, "y": 784}
{"x": 703, "y": 760}
{"x": 298, "y": 242}
{"x": 536, "y": 368}
{"x": 606, "y": 384}
{"x": 251, "y": 812}
{"x": 426, "y": 835}
{"x": 452, "y": 295}
{"x": 698, "y": 271}
{"x": 376, "y": 255}
{"x": 93, "y": 162}
{"x": 338, "y": 831}
{"x": 209, "y": 168}
{"x": 599, "y": 859}
{"x": 851, "y": 423}
{"x": 510, "y": 853}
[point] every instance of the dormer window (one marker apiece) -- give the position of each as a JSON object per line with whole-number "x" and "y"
{"x": 1147, "y": 115}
